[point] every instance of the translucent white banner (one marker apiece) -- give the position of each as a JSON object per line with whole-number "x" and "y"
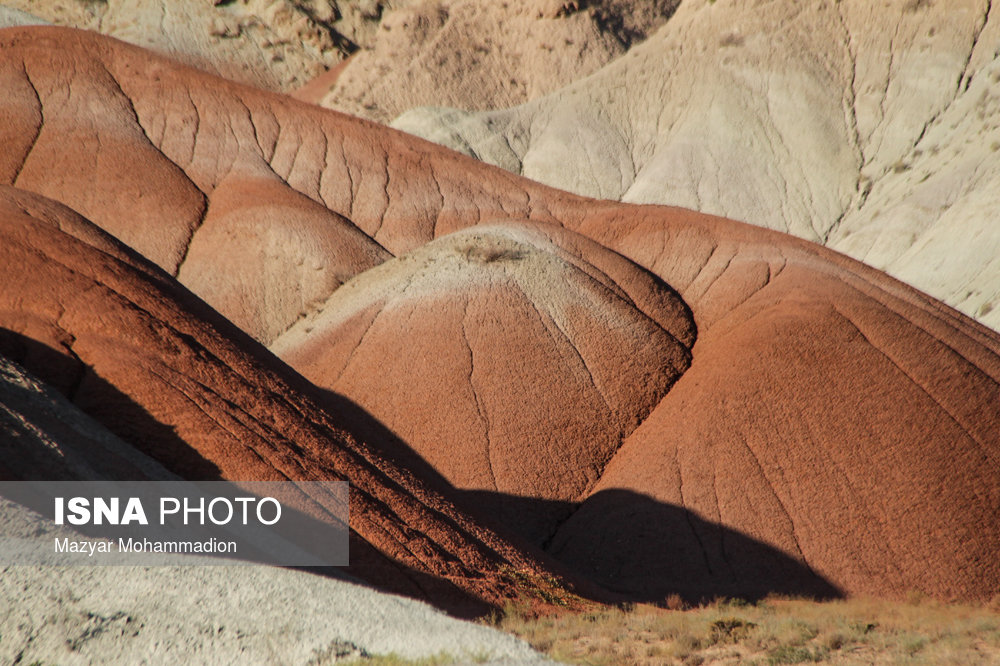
{"x": 151, "y": 523}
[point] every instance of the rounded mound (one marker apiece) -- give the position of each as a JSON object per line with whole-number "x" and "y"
{"x": 517, "y": 356}
{"x": 845, "y": 420}
{"x": 259, "y": 231}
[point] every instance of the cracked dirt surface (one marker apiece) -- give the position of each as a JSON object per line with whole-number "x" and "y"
{"x": 834, "y": 433}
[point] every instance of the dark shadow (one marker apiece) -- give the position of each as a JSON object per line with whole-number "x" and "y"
{"x": 632, "y": 545}
{"x": 648, "y": 550}
{"x": 116, "y": 411}
{"x": 107, "y": 405}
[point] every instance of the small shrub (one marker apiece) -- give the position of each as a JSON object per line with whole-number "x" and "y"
{"x": 730, "y": 630}
{"x": 835, "y": 641}
{"x": 731, "y": 39}
{"x": 733, "y": 602}
{"x": 806, "y": 632}
{"x": 795, "y": 654}
{"x": 489, "y": 255}
{"x": 684, "y": 647}
{"x": 863, "y": 628}
{"x": 913, "y": 645}
{"x": 676, "y": 602}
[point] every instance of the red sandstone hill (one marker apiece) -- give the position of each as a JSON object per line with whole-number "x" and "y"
{"x": 836, "y": 431}
{"x": 164, "y": 373}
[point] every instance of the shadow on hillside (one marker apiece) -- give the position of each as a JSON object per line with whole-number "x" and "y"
{"x": 631, "y": 544}
{"x": 107, "y": 405}
{"x": 649, "y": 550}
{"x": 637, "y": 548}
{"x": 118, "y": 413}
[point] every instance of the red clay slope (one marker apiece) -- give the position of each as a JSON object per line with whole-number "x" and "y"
{"x": 830, "y": 413}
{"x": 163, "y": 372}
{"x": 829, "y": 410}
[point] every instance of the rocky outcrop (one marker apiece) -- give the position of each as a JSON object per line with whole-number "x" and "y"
{"x": 484, "y": 55}
{"x": 271, "y": 44}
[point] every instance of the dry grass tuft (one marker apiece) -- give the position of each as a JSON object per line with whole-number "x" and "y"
{"x": 916, "y": 5}
{"x": 774, "y": 631}
{"x": 488, "y": 254}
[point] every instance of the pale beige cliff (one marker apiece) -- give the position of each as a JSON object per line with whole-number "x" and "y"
{"x": 871, "y": 129}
